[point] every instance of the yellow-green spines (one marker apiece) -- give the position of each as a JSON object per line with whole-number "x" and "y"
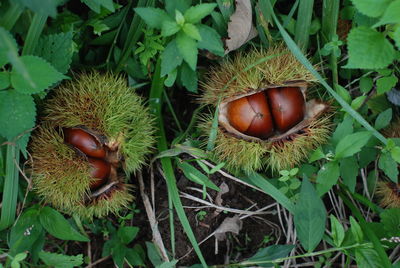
{"x": 106, "y": 105}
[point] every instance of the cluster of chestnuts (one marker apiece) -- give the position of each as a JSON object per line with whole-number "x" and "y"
{"x": 266, "y": 119}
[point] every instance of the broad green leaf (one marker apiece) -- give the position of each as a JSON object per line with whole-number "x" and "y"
{"x": 127, "y": 233}
{"x": 368, "y": 258}
{"x": 153, "y": 254}
{"x": 368, "y": 49}
{"x": 170, "y": 58}
{"x": 57, "y": 49}
{"x": 169, "y": 28}
{"x": 196, "y": 176}
{"x": 383, "y": 119}
{"x": 96, "y": 5}
{"x": 210, "y": 40}
{"x": 171, "y": 77}
{"x": 179, "y": 18}
{"x": 391, "y": 14}
{"x": 351, "y": 144}
{"x": 4, "y": 80}
{"x": 357, "y": 102}
{"x": 59, "y": 260}
{"x": 337, "y": 231}
{"x": 349, "y": 171}
{"x": 343, "y": 129}
{"x": 195, "y": 13}
{"x": 118, "y": 254}
{"x": 192, "y": 31}
{"x": 189, "y": 78}
{"x": 371, "y": 8}
{"x": 58, "y": 226}
{"x": 356, "y": 230}
{"x": 43, "y": 7}
{"x": 271, "y": 253}
{"x": 390, "y": 219}
{"x": 316, "y": 155}
{"x": 385, "y": 84}
{"x": 395, "y": 36}
{"x": 309, "y": 217}
{"x": 17, "y": 113}
{"x": 389, "y": 166}
{"x": 8, "y": 47}
{"x": 133, "y": 257}
{"x": 42, "y": 74}
{"x": 344, "y": 93}
{"x": 154, "y": 17}
{"x": 181, "y": 5}
{"x": 187, "y": 47}
{"x": 366, "y": 156}
{"x": 366, "y": 84}
{"x": 395, "y": 153}
{"x": 327, "y": 177}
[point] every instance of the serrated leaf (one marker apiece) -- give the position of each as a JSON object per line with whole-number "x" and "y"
{"x": 169, "y": 28}
{"x": 43, "y": 7}
{"x": 371, "y": 8}
{"x": 57, "y": 49}
{"x": 187, "y": 47}
{"x": 383, "y": 119}
{"x": 349, "y": 171}
{"x": 191, "y": 31}
{"x": 127, "y": 233}
{"x": 391, "y": 14}
{"x": 42, "y": 74}
{"x": 368, "y": 258}
{"x": 389, "y": 166}
{"x": 351, "y": 144}
{"x": 4, "y": 80}
{"x": 196, "y": 13}
{"x": 384, "y": 84}
{"x": 170, "y": 58}
{"x": 309, "y": 217}
{"x": 189, "y": 78}
{"x": 154, "y": 17}
{"x": 390, "y": 219}
{"x": 210, "y": 40}
{"x": 17, "y": 113}
{"x": 368, "y": 49}
{"x": 58, "y": 226}
{"x": 59, "y": 260}
{"x": 337, "y": 231}
{"x": 327, "y": 176}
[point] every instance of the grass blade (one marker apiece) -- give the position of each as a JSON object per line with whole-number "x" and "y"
{"x": 36, "y": 28}
{"x": 11, "y": 16}
{"x": 304, "y": 16}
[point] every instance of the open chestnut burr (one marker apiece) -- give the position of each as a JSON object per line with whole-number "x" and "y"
{"x": 266, "y": 118}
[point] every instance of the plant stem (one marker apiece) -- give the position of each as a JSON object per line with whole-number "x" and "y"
{"x": 34, "y": 32}
{"x": 11, "y": 16}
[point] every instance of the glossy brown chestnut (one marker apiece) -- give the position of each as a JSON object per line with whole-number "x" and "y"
{"x": 251, "y": 115}
{"x": 100, "y": 172}
{"x": 287, "y": 106}
{"x": 84, "y": 142}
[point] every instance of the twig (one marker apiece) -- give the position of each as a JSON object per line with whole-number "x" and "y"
{"x": 98, "y": 261}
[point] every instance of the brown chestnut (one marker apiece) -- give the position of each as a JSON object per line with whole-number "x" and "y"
{"x": 287, "y": 106}
{"x": 84, "y": 142}
{"x": 251, "y": 115}
{"x": 100, "y": 171}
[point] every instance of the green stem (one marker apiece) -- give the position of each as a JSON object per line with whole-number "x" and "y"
{"x": 11, "y": 16}
{"x": 36, "y": 28}
{"x": 172, "y": 112}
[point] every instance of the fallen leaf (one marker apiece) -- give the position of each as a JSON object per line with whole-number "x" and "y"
{"x": 232, "y": 224}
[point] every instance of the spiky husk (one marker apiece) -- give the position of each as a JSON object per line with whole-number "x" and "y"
{"x": 389, "y": 194}
{"x": 229, "y": 79}
{"x": 105, "y": 103}
{"x": 248, "y": 156}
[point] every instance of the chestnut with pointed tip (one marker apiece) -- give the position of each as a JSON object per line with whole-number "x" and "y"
{"x": 100, "y": 171}
{"x": 84, "y": 142}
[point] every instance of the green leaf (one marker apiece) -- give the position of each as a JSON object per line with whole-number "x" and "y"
{"x": 327, "y": 177}
{"x": 271, "y": 253}
{"x": 366, "y": 156}
{"x": 191, "y": 31}
{"x": 57, "y": 49}
{"x": 368, "y": 258}
{"x": 8, "y": 47}
{"x": 337, "y": 231}
{"x": 58, "y": 226}
{"x": 368, "y": 49}
{"x": 343, "y": 129}
{"x": 383, "y": 119}
{"x": 391, "y": 14}
{"x": 4, "y": 80}
{"x": 390, "y": 219}
{"x": 96, "y": 5}
{"x": 188, "y": 49}
{"x": 42, "y": 75}
{"x": 17, "y": 113}
{"x": 349, "y": 171}
{"x": 210, "y": 40}
{"x": 309, "y": 217}
{"x": 179, "y": 18}
{"x": 385, "y": 84}
{"x": 189, "y": 78}
{"x": 181, "y": 5}
{"x": 351, "y": 144}
{"x": 59, "y": 260}
{"x": 344, "y": 93}
{"x": 196, "y": 176}
{"x": 356, "y": 230}
{"x": 395, "y": 36}
{"x": 134, "y": 258}
{"x": 154, "y": 17}
{"x": 195, "y": 13}
{"x": 153, "y": 254}
{"x": 389, "y": 166}
{"x": 366, "y": 84}
{"x": 127, "y": 233}
{"x": 43, "y": 7}
{"x": 170, "y": 58}
{"x": 169, "y": 28}
{"x": 118, "y": 254}
{"x": 371, "y": 8}
{"x": 395, "y": 153}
